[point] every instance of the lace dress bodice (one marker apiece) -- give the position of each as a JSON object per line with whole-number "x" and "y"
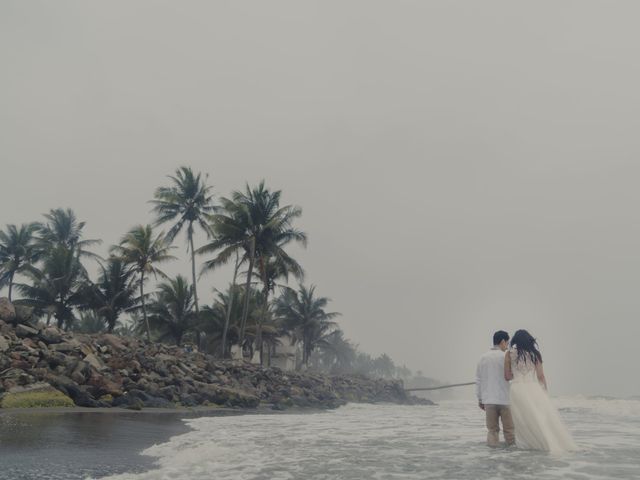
{"x": 523, "y": 371}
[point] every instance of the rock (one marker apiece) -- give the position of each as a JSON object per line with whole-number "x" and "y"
{"x": 62, "y": 347}
{"x": 35, "y": 395}
{"x": 24, "y": 314}
{"x": 104, "y": 386}
{"x": 17, "y": 376}
{"x": 79, "y": 395}
{"x": 95, "y": 362}
{"x": 51, "y": 335}
{"x": 4, "y": 344}
{"x": 25, "y": 331}
{"x": 138, "y": 397}
{"x": 55, "y": 358}
{"x": 29, "y": 344}
{"x": 7, "y": 310}
{"x": 113, "y": 341}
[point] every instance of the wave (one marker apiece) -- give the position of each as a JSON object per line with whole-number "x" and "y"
{"x": 390, "y": 441}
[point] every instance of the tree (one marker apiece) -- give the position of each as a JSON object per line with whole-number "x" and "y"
{"x": 143, "y": 251}
{"x": 114, "y": 293}
{"x": 384, "y": 366}
{"x": 186, "y": 202}
{"x": 17, "y": 252}
{"x": 56, "y": 287}
{"x": 89, "y": 322}
{"x": 252, "y": 222}
{"x": 304, "y": 316}
{"x": 336, "y": 354}
{"x": 221, "y": 321}
{"x": 62, "y": 228}
{"x": 172, "y": 312}
{"x": 272, "y": 269}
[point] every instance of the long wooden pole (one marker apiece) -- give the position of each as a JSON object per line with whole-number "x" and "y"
{"x": 438, "y": 388}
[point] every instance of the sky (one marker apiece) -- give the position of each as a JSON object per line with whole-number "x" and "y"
{"x": 462, "y": 166}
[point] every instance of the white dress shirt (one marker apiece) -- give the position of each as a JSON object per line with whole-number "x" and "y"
{"x": 491, "y": 387}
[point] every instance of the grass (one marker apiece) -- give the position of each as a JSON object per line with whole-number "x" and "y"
{"x": 36, "y": 398}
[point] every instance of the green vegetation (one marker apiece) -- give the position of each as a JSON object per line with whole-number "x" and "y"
{"x": 45, "y": 397}
{"x": 257, "y": 312}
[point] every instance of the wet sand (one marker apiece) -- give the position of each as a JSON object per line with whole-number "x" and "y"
{"x": 76, "y": 443}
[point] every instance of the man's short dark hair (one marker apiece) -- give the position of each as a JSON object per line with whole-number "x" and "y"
{"x": 499, "y": 336}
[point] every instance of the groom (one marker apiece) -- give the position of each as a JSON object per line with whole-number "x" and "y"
{"x": 493, "y": 391}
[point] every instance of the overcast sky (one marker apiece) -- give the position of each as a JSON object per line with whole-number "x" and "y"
{"x": 462, "y": 166}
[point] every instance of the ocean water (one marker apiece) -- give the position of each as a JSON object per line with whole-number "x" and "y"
{"x": 395, "y": 442}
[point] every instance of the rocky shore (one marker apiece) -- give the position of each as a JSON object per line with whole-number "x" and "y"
{"x": 42, "y": 366}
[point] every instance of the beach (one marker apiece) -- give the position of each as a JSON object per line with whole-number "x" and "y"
{"x": 382, "y": 441}
{"x": 79, "y": 443}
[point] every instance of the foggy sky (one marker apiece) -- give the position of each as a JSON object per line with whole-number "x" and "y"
{"x": 462, "y": 166}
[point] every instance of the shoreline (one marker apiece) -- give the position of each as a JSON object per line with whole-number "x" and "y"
{"x": 189, "y": 411}
{"x": 44, "y": 366}
{"x": 77, "y": 443}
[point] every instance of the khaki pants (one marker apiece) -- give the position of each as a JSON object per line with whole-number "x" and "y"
{"x": 494, "y": 414}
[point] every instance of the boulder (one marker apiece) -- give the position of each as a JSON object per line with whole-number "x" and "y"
{"x": 138, "y": 397}
{"x": 95, "y": 362}
{"x": 7, "y": 310}
{"x": 4, "y": 344}
{"x": 104, "y": 386}
{"x": 62, "y": 347}
{"x": 24, "y": 314}
{"x": 16, "y": 376}
{"x": 113, "y": 341}
{"x": 79, "y": 395}
{"x": 23, "y": 331}
{"x": 51, "y": 335}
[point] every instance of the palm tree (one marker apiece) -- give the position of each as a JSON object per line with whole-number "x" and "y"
{"x": 114, "y": 293}
{"x": 384, "y": 366}
{"x": 272, "y": 269}
{"x": 229, "y": 304}
{"x": 56, "y": 288}
{"x": 128, "y": 328}
{"x": 172, "y": 312}
{"x": 185, "y": 203}
{"x": 89, "y": 322}
{"x": 304, "y": 316}
{"x": 252, "y": 222}
{"x": 143, "y": 250}
{"x": 337, "y": 354}
{"x": 221, "y": 321}
{"x": 17, "y": 252}
{"x": 62, "y": 228}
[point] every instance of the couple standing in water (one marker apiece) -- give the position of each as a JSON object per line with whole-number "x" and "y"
{"x": 529, "y": 418}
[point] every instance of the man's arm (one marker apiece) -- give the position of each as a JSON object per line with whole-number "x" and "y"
{"x": 478, "y": 382}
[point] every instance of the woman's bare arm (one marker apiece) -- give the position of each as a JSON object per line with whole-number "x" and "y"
{"x": 540, "y": 374}
{"x": 508, "y": 374}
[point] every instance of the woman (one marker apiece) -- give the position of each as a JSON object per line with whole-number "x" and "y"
{"x": 537, "y": 422}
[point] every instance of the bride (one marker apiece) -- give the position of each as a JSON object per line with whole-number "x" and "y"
{"x": 537, "y": 423}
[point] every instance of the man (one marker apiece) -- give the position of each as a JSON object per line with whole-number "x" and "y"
{"x": 493, "y": 391}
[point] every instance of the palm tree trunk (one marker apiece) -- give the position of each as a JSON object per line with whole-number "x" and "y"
{"x": 11, "y": 284}
{"x": 232, "y": 296}
{"x": 193, "y": 268}
{"x": 193, "y": 275}
{"x": 144, "y": 306}
{"x": 247, "y": 290}
{"x": 263, "y": 314}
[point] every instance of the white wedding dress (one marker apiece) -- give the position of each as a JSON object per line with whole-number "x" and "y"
{"x": 537, "y": 422}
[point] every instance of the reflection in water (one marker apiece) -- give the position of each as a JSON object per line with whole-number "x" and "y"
{"x": 76, "y": 445}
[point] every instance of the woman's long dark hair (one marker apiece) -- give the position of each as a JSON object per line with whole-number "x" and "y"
{"x": 527, "y": 347}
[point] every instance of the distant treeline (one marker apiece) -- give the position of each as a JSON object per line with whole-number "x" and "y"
{"x": 43, "y": 263}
